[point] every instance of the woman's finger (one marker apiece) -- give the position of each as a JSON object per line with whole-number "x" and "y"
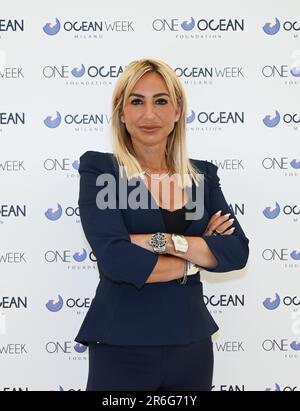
{"x": 224, "y": 226}
{"x": 230, "y": 231}
{"x": 220, "y": 225}
{"x": 214, "y": 217}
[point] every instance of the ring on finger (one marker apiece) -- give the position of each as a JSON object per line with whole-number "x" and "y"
{"x": 216, "y": 232}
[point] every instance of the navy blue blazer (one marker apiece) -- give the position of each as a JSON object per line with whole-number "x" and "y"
{"x": 126, "y": 310}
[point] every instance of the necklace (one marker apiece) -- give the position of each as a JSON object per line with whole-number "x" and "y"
{"x": 156, "y": 178}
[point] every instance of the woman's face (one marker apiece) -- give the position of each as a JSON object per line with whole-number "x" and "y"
{"x": 149, "y": 117}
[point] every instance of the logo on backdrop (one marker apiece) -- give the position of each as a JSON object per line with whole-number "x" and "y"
{"x": 290, "y": 167}
{"x": 206, "y": 75}
{"x": 12, "y": 119}
{"x": 54, "y": 214}
{"x": 65, "y": 256}
{"x": 87, "y": 29}
{"x": 13, "y": 302}
{"x": 216, "y": 303}
{"x": 290, "y": 210}
{"x": 290, "y": 348}
{"x": 222, "y": 117}
{"x": 277, "y": 387}
{"x": 65, "y": 347}
{"x": 13, "y": 257}
{"x": 273, "y": 27}
{"x": 79, "y": 260}
{"x": 272, "y": 120}
{"x": 289, "y": 301}
{"x": 60, "y": 388}
{"x": 226, "y": 387}
{"x": 14, "y": 389}
{"x": 230, "y": 346}
{"x": 10, "y": 72}
{"x": 12, "y": 349}
{"x": 12, "y": 166}
{"x": 67, "y": 165}
{"x": 56, "y": 305}
{"x": 13, "y": 210}
{"x": 290, "y": 73}
{"x": 289, "y": 257}
{"x": 80, "y": 122}
{"x": 199, "y": 28}
{"x": 68, "y": 72}
{"x": 9, "y": 25}
{"x": 272, "y": 303}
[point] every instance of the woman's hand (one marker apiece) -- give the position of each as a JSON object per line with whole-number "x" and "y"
{"x": 220, "y": 223}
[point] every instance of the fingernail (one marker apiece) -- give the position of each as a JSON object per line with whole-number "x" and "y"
{"x": 227, "y": 215}
{"x": 232, "y": 219}
{"x": 232, "y": 229}
{"x": 219, "y": 212}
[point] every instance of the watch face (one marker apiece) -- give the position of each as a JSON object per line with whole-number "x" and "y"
{"x": 158, "y": 240}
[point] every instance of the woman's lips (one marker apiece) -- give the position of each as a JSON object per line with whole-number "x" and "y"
{"x": 150, "y": 129}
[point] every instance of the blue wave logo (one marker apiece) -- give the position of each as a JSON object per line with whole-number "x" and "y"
{"x": 295, "y": 346}
{"x": 295, "y": 255}
{"x": 272, "y": 213}
{"x": 75, "y": 165}
{"x": 188, "y": 25}
{"x": 78, "y": 72}
{"x": 277, "y": 388}
{"x": 80, "y": 257}
{"x": 295, "y": 72}
{"x": 272, "y": 28}
{"x": 272, "y": 121}
{"x": 270, "y": 304}
{"x": 53, "y": 122}
{"x": 52, "y": 29}
{"x": 80, "y": 348}
{"x": 53, "y": 214}
{"x": 53, "y": 306}
{"x": 191, "y": 118}
{"x": 295, "y": 163}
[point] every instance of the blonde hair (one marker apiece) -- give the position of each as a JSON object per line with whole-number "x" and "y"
{"x": 176, "y": 152}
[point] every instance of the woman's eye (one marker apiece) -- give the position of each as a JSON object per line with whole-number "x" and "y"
{"x": 163, "y": 100}
{"x": 137, "y": 100}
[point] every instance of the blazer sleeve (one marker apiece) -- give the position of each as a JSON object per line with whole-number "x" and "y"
{"x": 105, "y": 229}
{"x": 231, "y": 251}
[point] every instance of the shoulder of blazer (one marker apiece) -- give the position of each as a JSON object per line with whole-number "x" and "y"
{"x": 97, "y": 162}
{"x": 208, "y": 169}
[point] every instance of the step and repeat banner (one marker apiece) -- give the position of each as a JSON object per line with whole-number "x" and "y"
{"x": 240, "y": 66}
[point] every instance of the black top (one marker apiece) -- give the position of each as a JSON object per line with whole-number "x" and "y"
{"x": 175, "y": 221}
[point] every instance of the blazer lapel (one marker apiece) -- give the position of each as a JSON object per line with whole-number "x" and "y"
{"x": 150, "y": 219}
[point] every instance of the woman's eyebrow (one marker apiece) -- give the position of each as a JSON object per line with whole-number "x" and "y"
{"x": 154, "y": 95}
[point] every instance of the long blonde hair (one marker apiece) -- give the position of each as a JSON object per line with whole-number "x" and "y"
{"x": 176, "y": 152}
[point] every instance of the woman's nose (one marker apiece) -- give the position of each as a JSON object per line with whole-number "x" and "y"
{"x": 149, "y": 110}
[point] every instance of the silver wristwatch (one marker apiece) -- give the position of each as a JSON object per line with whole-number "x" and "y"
{"x": 159, "y": 243}
{"x": 180, "y": 243}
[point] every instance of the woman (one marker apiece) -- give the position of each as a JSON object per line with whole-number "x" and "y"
{"x": 148, "y": 327}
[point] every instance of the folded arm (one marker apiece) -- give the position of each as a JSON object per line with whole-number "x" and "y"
{"x": 118, "y": 258}
{"x": 212, "y": 253}
{"x": 198, "y": 251}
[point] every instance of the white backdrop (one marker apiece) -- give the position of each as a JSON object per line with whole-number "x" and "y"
{"x": 241, "y": 76}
